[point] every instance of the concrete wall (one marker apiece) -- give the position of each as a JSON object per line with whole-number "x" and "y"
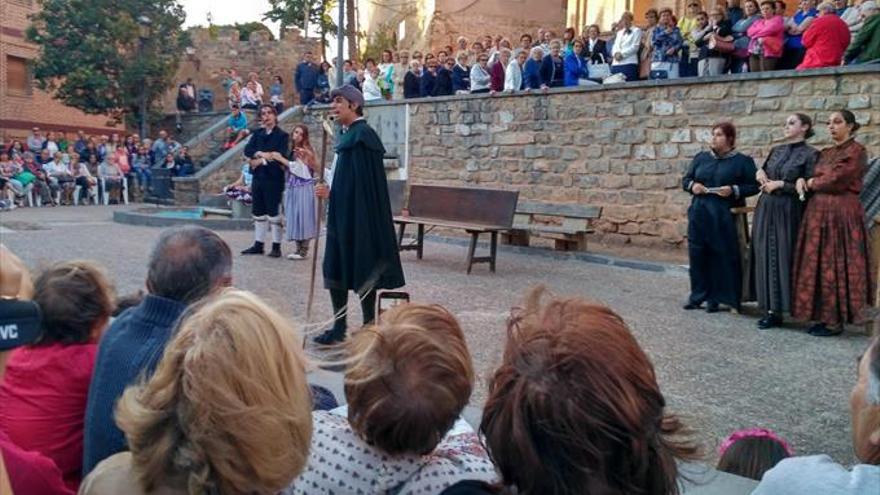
{"x": 211, "y": 56}
{"x": 623, "y": 147}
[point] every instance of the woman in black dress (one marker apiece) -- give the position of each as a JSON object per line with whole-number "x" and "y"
{"x": 719, "y": 180}
{"x": 777, "y": 217}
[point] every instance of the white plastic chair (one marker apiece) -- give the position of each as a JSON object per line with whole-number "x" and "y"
{"x": 106, "y": 197}
{"x": 93, "y": 195}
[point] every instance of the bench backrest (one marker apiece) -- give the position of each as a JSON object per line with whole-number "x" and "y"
{"x": 396, "y": 193}
{"x": 460, "y": 204}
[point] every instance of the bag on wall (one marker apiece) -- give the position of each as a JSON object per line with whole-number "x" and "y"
{"x": 599, "y": 70}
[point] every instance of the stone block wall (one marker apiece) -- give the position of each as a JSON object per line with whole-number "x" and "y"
{"x": 212, "y": 55}
{"x": 624, "y": 147}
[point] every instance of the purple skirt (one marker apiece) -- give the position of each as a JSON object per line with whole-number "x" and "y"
{"x": 300, "y": 211}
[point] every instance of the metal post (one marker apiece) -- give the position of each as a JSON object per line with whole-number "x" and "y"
{"x": 145, "y": 23}
{"x": 340, "y": 38}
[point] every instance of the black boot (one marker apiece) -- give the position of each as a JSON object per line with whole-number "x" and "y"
{"x": 770, "y": 321}
{"x": 336, "y": 334}
{"x": 331, "y": 336}
{"x": 276, "y": 250}
{"x": 257, "y": 248}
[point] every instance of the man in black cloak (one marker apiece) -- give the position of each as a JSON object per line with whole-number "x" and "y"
{"x": 361, "y": 252}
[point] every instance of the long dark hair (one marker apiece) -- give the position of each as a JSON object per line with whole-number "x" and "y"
{"x": 752, "y": 457}
{"x": 850, "y": 119}
{"x": 805, "y": 119}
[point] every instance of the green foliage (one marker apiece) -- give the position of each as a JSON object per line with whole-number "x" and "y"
{"x": 383, "y": 38}
{"x": 245, "y": 30}
{"x": 290, "y": 13}
{"x": 90, "y": 56}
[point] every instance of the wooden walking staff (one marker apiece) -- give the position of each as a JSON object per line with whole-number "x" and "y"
{"x": 327, "y": 127}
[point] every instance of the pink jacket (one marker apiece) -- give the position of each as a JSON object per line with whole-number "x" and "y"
{"x": 770, "y": 32}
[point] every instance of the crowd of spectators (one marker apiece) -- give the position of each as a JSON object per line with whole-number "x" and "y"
{"x": 196, "y": 387}
{"x": 66, "y": 168}
{"x": 752, "y": 36}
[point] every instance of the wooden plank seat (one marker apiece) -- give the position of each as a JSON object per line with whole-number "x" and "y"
{"x": 570, "y": 235}
{"x": 476, "y": 211}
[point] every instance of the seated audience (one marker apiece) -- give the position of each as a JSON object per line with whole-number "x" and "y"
{"x": 408, "y": 380}
{"x": 751, "y": 453}
{"x": 84, "y": 178}
{"x": 140, "y": 166}
{"x": 59, "y": 176}
{"x": 186, "y": 264}
{"x": 461, "y": 74}
{"x": 819, "y": 473}
{"x": 40, "y": 179}
{"x": 825, "y": 40}
{"x": 574, "y": 381}
{"x": 46, "y": 384}
{"x": 240, "y": 190}
{"x": 865, "y": 47}
{"x": 276, "y": 94}
{"x": 183, "y": 163}
{"x": 226, "y": 411}
{"x": 21, "y": 471}
{"x": 249, "y": 98}
{"x": 109, "y": 173}
{"x": 236, "y": 127}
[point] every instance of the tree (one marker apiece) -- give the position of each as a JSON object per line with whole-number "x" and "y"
{"x": 290, "y": 13}
{"x": 91, "y": 58}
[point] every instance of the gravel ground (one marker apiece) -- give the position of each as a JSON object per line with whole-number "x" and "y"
{"x": 717, "y": 371}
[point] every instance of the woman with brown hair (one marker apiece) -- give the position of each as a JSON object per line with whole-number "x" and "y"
{"x": 228, "y": 409}
{"x": 832, "y": 272}
{"x": 407, "y": 382}
{"x": 646, "y": 50}
{"x": 718, "y": 180}
{"x": 46, "y": 385}
{"x": 575, "y": 408}
{"x": 299, "y": 198}
{"x": 778, "y": 217}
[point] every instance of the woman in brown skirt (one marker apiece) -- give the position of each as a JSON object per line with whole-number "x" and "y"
{"x": 832, "y": 283}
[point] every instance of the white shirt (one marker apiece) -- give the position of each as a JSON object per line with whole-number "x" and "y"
{"x": 55, "y": 168}
{"x": 371, "y": 89}
{"x": 513, "y": 76}
{"x": 627, "y": 45}
{"x": 480, "y": 78}
{"x": 818, "y": 474}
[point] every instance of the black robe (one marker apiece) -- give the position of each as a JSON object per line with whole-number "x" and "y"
{"x": 713, "y": 250}
{"x": 775, "y": 225}
{"x": 361, "y": 252}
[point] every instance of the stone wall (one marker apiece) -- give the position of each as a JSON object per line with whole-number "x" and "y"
{"x": 211, "y": 55}
{"x": 624, "y": 147}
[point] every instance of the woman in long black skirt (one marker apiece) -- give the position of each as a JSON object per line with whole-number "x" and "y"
{"x": 778, "y": 216}
{"x": 719, "y": 180}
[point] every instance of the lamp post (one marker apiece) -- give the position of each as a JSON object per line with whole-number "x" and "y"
{"x": 145, "y": 23}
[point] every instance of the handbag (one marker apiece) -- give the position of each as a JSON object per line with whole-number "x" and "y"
{"x": 720, "y": 45}
{"x": 599, "y": 70}
{"x": 660, "y": 70}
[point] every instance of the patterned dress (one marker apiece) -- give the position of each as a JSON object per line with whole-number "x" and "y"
{"x": 832, "y": 278}
{"x": 340, "y": 462}
{"x": 775, "y": 226}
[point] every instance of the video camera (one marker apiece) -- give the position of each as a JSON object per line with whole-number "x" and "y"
{"x": 20, "y": 323}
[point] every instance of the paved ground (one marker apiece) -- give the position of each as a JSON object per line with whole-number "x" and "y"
{"x": 716, "y": 370}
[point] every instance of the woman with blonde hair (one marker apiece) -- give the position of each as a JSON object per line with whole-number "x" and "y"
{"x": 407, "y": 383}
{"x": 228, "y": 409}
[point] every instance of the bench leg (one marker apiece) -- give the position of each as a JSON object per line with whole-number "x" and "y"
{"x": 421, "y": 235}
{"x": 473, "y": 247}
{"x": 400, "y": 230}
{"x": 493, "y": 250}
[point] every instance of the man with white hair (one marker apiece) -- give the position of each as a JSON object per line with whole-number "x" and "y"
{"x": 866, "y": 45}
{"x": 820, "y": 474}
{"x": 825, "y": 40}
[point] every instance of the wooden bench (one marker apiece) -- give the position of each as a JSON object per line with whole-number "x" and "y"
{"x": 476, "y": 211}
{"x": 571, "y": 234}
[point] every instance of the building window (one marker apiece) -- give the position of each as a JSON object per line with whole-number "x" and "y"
{"x": 18, "y": 77}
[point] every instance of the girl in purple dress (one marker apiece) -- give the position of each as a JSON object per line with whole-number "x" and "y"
{"x": 299, "y": 197}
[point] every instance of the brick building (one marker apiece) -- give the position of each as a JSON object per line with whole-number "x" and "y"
{"x": 22, "y": 106}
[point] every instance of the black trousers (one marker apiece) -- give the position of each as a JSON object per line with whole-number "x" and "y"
{"x": 266, "y": 196}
